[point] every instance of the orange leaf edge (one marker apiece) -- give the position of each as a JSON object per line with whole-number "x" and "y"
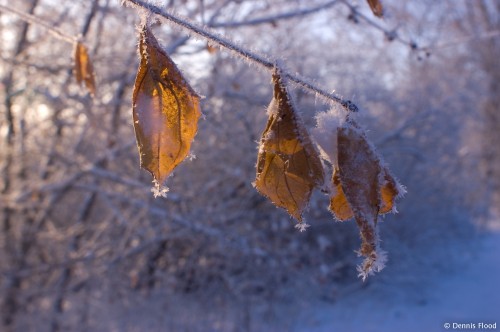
{"x": 376, "y": 7}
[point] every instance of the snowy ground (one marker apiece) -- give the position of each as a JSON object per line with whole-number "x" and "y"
{"x": 463, "y": 291}
{"x": 468, "y": 294}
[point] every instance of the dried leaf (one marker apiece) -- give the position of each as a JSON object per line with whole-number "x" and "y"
{"x": 84, "y": 71}
{"x": 165, "y": 110}
{"x": 360, "y": 173}
{"x": 376, "y": 7}
{"x": 363, "y": 188}
{"x": 288, "y": 165}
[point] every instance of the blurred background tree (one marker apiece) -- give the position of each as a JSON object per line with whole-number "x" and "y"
{"x": 82, "y": 237}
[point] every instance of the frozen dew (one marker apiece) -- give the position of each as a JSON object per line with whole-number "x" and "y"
{"x": 158, "y": 190}
{"x": 372, "y": 264}
{"x": 302, "y": 226}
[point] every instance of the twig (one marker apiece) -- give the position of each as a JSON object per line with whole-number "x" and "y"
{"x": 37, "y": 21}
{"x": 390, "y": 34}
{"x": 272, "y": 18}
{"x": 258, "y": 59}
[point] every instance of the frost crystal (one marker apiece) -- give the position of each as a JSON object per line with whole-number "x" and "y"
{"x": 325, "y": 133}
{"x": 371, "y": 265}
{"x": 159, "y": 191}
{"x": 302, "y": 226}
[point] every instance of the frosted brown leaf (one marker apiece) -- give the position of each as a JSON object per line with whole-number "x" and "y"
{"x": 288, "y": 165}
{"x": 165, "y": 110}
{"x": 368, "y": 189}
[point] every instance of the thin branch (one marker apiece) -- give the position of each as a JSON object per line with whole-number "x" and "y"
{"x": 37, "y": 21}
{"x": 393, "y": 35}
{"x": 389, "y": 34}
{"x": 273, "y": 18}
{"x": 260, "y": 60}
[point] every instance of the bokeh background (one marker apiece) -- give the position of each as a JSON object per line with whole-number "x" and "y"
{"x": 84, "y": 246}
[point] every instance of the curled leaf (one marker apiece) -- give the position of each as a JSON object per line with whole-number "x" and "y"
{"x": 367, "y": 187}
{"x": 165, "y": 110}
{"x": 84, "y": 71}
{"x": 376, "y": 7}
{"x": 288, "y": 165}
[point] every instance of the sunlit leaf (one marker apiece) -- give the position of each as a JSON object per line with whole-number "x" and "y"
{"x": 84, "y": 71}
{"x": 165, "y": 110}
{"x": 376, "y": 7}
{"x": 288, "y": 165}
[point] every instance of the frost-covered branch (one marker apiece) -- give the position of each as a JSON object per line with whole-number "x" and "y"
{"x": 260, "y": 60}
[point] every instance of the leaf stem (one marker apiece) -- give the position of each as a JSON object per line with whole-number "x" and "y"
{"x": 260, "y": 60}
